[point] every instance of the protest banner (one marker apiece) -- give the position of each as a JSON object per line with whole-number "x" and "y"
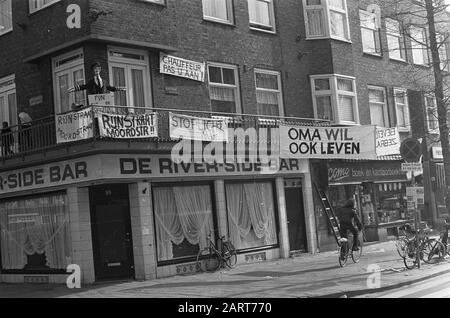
{"x": 74, "y": 126}
{"x": 198, "y": 128}
{"x": 355, "y": 142}
{"x": 101, "y": 99}
{"x": 388, "y": 141}
{"x": 176, "y": 66}
{"x": 128, "y": 126}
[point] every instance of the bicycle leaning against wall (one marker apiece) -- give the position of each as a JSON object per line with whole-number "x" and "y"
{"x": 213, "y": 257}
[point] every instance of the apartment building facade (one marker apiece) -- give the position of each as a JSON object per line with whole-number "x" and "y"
{"x": 120, "y": 208}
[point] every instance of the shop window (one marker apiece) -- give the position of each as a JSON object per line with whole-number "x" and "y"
{"x": 326, "y": 19}
{"x": 224, "y": 88}
{"x": 251, "y": 214}
{"x": 218, "y": 10}
{"x": 184, "y": 219}
{"x": 391, "y": 203}
{"x": 6, "y": 24}
{"x": 432, "y": 114}
{"x": 334, "y": 98}
{"x": 35, "y": 233}
{"x": 268, "y": 93}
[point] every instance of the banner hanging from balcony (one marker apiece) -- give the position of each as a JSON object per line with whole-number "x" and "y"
{"x": 198, "y": 128}
{"x": 355, "y": 142}
{"x": 74, "y": 126}
{"x": 128, "y": 126}
{"x": 176, "y": 66}
{"x": 388, "y": 141}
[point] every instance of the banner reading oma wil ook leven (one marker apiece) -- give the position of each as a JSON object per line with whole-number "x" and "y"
{"x": 355, "y": 142}
{"x": 128, "y": 126}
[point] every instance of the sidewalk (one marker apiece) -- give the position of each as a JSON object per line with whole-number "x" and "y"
{"x": 304, "y": 276}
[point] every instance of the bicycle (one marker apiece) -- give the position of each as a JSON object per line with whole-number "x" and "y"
{"x": 402, "y": 239}
{"x": 211, "y": 258}
{"x": 346, "y": 250}
{"x": 427, "y": 248}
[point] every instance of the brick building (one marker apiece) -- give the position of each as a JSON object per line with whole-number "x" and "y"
{"x": 99, "y": 202}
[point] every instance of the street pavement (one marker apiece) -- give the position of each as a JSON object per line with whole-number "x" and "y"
{"x": 303, "y": 276}
{"x": 438, "y": 287}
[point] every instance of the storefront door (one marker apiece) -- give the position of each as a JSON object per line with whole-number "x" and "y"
{"x": 111, "y": 232}
{"x": 295, "y": 216}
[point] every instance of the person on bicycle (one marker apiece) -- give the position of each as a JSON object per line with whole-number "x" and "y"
{"x": 347, "y": 214}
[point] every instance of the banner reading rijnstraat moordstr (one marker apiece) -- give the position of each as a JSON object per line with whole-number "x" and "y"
{"x": 128, "y": 126}
{"x": 356, "y": 142}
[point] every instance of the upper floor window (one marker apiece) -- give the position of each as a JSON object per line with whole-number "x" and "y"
{"x": 396, "y": 40}
{"x": 5, "y": 16}
{"x": 268, "y": 93}
{"x": 419, "y": 45}
{"x": 224, "y": 88}
{"x": 432, "y": 114}
{"x": 36, "y": 5}
{"x": 261, "y": 14}
{"x": 370, "y": 32}
{"x": 401, "y": 109}
{"x": 326, "y": 19}
{"x": 334, "y": 98}
{"x": 157, "y": 1}
{"x": 444, "y": 52}
{"x": 218, "y": 10}
{"x": 8, "y": 105}
{"x": 68, "y": 71}
{"x": 378, "y": 106}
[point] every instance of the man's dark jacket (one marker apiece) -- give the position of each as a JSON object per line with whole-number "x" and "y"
{"x": 93, "y": 88}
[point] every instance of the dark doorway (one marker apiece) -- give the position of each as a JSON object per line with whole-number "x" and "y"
{"x": 295, "y": 216}
{"x": 111, "y": 232}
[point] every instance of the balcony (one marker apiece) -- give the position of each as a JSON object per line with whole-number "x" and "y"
{"x": 36, "y": 141}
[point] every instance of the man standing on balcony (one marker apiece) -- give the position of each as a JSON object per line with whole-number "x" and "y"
{"x": 96, "y": 85}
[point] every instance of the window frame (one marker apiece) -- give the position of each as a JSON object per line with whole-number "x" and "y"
{"x": 235, "y": 69}
{"x": 375, "y": 33}
{"x": 127, "y": 63}
{"x": 427, "y": 108}
{"x": 214, "y": 211}
{"x": 335, "y": 93}
{"x": 385, "y": 104}
{"x": 160, "y": 2}
{"x": 7, "y": 88}
{"x": 275, "y": 211}
{"x": 424, "y": 46}
{"x": 262, "y": 27}
{"x": 230, "y": 14}
{"x": 41, "y": 5}
{"x": 10, "y": 29}
{"x": 279, "y": 91}
{"x": 326, "y": 9}
{"x": 71, "y": 66}
{"x": 407, "y": 126}
{"x": 400, "y": 39}
{"x": 444, "y": 47}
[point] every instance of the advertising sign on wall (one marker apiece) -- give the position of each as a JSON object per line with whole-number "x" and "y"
{"x": 176, "y": 66}
{"x": 74, "y": 126}
{"x": 198, "y": 128}
{"x": 128, "y": 126}
{"x": 346, "y": 172}
{"x": 356, "y": 142}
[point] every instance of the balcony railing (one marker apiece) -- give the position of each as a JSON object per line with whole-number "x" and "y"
{"x": 40, "y": 135}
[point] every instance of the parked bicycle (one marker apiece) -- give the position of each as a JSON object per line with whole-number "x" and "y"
{"x": 212, "y": 258}
{"x": 429, "y": 249}
{"x": 404, "y": 236}
{"x": 346, "y": 249}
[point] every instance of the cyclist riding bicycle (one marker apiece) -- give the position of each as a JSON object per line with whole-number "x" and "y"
{"x": 347, "y": 215}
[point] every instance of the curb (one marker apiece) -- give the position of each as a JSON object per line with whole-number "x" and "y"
{"x": 358, "y": 292}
